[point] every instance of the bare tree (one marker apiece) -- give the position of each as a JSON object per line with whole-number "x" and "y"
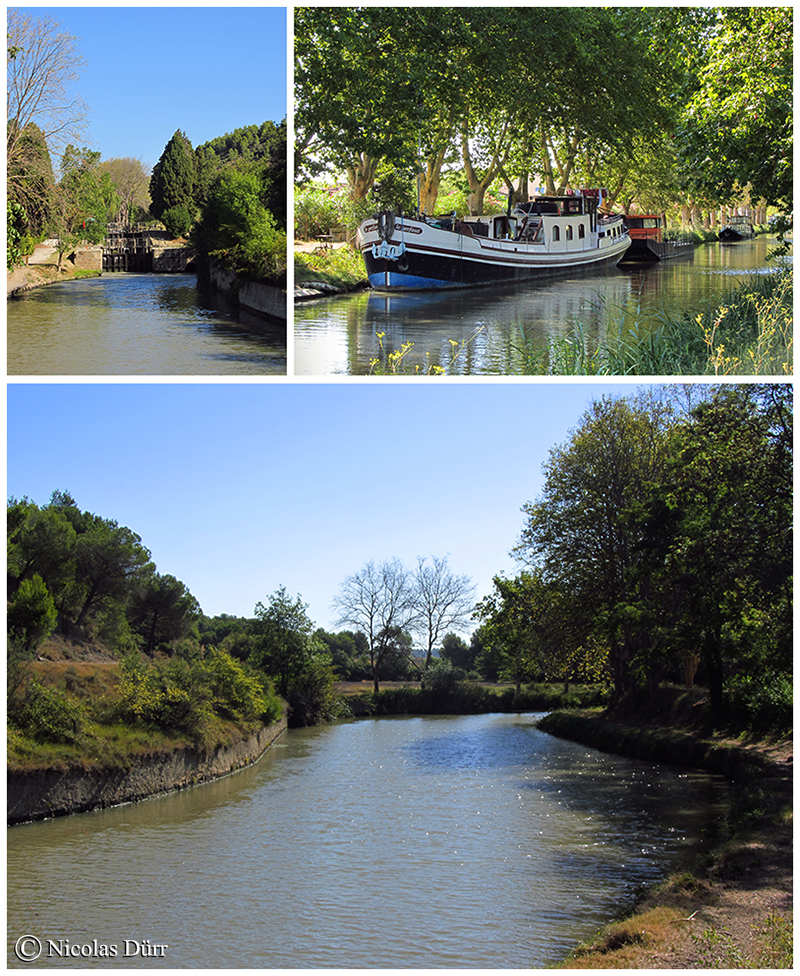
{"x": 380, "y": 601}
{"x": 131, "y": 179}
{"x": 444, "y": 601}
{"x": 42, "y": 63}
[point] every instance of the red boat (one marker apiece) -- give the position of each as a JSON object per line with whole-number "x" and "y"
{"x": 647, "y": 240}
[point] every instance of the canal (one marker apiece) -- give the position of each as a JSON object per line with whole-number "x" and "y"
{"x": 467, "y": 842}
{"x": 139, "y": 324}
{"x": 490, "y": 327}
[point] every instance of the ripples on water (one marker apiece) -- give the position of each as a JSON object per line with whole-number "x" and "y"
{"x": 134, "y": 324}
{"x": 473, "y": 842}
{"x": 340, "y": 335}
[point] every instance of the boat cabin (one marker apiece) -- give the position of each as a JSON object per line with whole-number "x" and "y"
{"x": 645, "y": 227}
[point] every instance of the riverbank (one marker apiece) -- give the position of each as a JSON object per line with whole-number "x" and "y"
{"x": 735, "y": 908}
{"x": 38, "y": 794}
{"x": 322, "y": 270}
{"x": 26, "y": 277}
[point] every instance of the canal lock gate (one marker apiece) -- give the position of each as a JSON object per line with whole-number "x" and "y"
{"x": 144, "y": 248}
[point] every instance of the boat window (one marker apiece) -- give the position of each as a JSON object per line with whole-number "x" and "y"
{"x": 556, "y": 234}
{"x": 569, "y": 232}
{"x": 581, "y": 231}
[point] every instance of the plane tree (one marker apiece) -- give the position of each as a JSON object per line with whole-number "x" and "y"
{"x": 736, "y": 129}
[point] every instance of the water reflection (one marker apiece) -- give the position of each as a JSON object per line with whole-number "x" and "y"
{"x": 139, "y": 324}
{"x": 494, "y": 327}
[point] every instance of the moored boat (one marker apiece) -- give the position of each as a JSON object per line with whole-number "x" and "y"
{"x": 738, "y": 228}
{"x": 549, "y": 235}
{"x": 647, "y": 240}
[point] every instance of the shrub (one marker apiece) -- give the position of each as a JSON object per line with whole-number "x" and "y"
{"x": 177, "y": 220}
{"x": 761, "y": 704}
{"x": 190, "y": 696}
{"x": 31, "y": 614}
{"x": 48, "y": 715}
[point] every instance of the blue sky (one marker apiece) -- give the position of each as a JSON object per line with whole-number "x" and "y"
{"x": 153, "y": 70}
{"x": 239, "y": 488}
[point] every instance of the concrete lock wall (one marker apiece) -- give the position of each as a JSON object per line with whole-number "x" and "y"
{"x": 250, "y": 294}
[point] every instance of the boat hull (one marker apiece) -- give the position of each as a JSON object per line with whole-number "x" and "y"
{"x": 421, "y": 257}
{"x": 643, "y": 250}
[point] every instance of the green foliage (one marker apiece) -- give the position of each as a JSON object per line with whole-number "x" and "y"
{"x": 237, "y": 228}
{"x": 16, "y": 221}
{"x": 761, "y": 703}
{"x": 316, "y": 212}
{"x": 737, "y": 127}
{"x": 190, "y": 696}
{"x": 311, "y": 695}
{"x": 662, "y": 537}
{"x": 98, "y": 576}
{"x": 177, "y": 220}
{"x": 31, "y": 614}
{"x": 48, "y": 715}
{"x": 174, "y": 177}
{"x": 285, "y": 643}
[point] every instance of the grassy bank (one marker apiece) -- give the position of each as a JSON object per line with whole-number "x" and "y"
{"x": 749, "y": 333}
{"x": 106, "y": 713}
{"x": 25, "y": 277}
{"x": 733, "y": 909}
{"x": 340, "y": 268}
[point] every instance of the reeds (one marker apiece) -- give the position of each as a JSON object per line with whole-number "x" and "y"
{"x": 750, "y": 333}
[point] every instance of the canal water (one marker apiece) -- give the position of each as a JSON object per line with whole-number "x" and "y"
{"x": 469, "y": 842}
{"x": 139, "y": 324}
{"x": 490, "y": 327}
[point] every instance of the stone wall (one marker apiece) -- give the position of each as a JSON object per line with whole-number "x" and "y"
{"x": 173, "y": 260}
{"x": 87, "y": 259}
{"x": 45, "y": 793}
{"x": 250, "y": 294}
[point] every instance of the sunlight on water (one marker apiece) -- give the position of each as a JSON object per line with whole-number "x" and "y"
{"x": 392, "y": 843}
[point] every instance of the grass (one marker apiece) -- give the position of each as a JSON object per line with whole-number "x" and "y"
{"x": 102, "y": 740}
{"x": 341, "y": 268}
{"x": 750, "y": 333}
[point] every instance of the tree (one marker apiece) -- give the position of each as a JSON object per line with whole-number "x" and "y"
{"x": 42, "y": 64}
{"x": 237, "y": 227}
{"x": 162, "y": 611}
{"x": 580, "y": 533}
{"x": 109, "y": 561}
{"x": 730, "y": 544}
{"x": 511, "y": 618}
{"x": 456, "y": 650}
{"x": 380, "y": 601}
{"x": 172, "y": 183}
{"x": 737, "y": 128}
{"x": 31, "y": 614}
{"x": 130, "y": 178}
{"x": 443, "y": 600}
{"x": 85, "y": 199}
{"x": 285, "y": 639}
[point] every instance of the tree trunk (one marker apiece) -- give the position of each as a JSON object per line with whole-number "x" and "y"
{"x": 361, "y": 175}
